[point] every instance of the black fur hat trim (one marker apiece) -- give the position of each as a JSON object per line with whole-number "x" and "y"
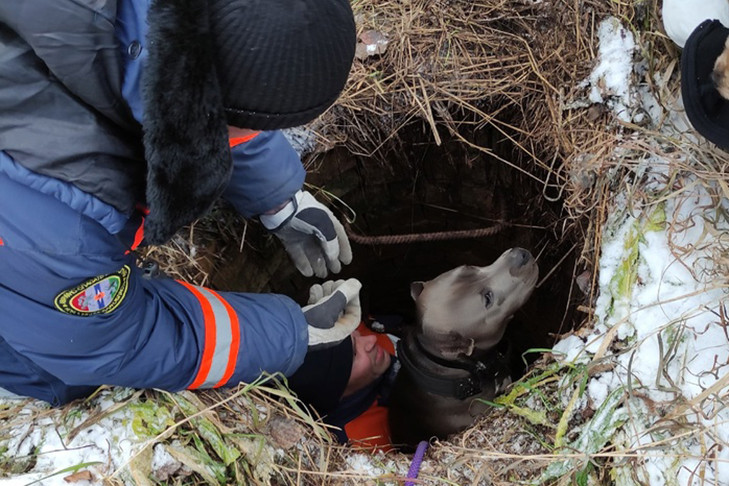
{"x": 185, "y": 129}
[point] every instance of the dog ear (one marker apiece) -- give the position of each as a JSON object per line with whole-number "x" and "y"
{"x": 415, "y": 289}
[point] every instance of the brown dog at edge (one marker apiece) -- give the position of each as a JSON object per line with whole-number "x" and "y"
{"x": 451, "y": 357}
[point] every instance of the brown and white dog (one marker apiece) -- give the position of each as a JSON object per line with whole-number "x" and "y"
{"x": 452, "y": 356}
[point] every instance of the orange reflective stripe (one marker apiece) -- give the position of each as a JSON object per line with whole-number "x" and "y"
{"x": 239, "y": 140}
{"x": 209, "y": 345}
{"x": 138, "y": 236}
{"x": 234, "y": 342}
{"x": 222, "y": 339}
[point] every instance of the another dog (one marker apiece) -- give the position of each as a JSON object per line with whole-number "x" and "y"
{"x": 452, "y": 356}
{"x": 720, "y": 73}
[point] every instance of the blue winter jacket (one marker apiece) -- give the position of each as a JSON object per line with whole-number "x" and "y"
{"x": 75, "y": 311}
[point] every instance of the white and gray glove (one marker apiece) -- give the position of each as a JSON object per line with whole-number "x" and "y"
{"x": 313, "y": 237}
{"x": 333, "y": 313}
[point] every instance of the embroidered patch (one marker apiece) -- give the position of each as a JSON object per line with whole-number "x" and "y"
{"x": 100, "y": 295}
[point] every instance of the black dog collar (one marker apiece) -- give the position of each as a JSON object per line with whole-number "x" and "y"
{"x": 489, "y": 365}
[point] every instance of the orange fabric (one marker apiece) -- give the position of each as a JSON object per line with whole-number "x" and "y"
{"x": 2, "y": 243}
{"x": 138, "y": 236}
{"x": 209, "y": 322}
{"x": 371, "y": 429}
{"x": 239, "y": 140}
{"x": 235, "y": 341}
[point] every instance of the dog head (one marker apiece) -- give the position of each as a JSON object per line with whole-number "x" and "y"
{"x": 720, "y": 74}
{"x": 466, "y": 309}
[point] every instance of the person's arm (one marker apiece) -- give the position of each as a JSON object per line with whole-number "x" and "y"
{"x": 266, "y": 182}
{"x": 267, "y": 172}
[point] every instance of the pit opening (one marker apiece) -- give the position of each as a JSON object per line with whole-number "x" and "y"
{"x": 420, "y": 187}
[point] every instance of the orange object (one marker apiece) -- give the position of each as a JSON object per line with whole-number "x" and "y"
{"x": 239, "y": 140}
{"x": 371, "y": 429}
{"x": 138, "y": 236}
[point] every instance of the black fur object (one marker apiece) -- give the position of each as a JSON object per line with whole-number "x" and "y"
{"x": 185, "y": 130}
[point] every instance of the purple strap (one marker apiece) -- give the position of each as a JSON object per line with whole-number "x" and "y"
{"x": 417, "y": 460}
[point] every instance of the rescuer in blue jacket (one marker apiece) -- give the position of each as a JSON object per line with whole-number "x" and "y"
{"x": 120, "y": 122}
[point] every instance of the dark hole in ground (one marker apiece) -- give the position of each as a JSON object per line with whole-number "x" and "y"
{"x": 428, "y": 188}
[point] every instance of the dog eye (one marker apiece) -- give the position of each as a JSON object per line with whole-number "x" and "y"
{"x": 488, "y": 298}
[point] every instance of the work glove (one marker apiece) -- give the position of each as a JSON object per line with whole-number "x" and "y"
{"x": 314, "y": 239}
{"x": 333, "y": 312}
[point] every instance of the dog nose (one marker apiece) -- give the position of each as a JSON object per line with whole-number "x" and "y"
{"x": 520, "y": 256}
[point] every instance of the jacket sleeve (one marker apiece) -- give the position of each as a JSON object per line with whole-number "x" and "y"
{"x": 75, "y": 304}
{"x": 267, "y": 172}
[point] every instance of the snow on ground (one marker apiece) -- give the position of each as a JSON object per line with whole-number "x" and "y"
{"x": 610, "y": 80}
{"x": 659, "y": 315}
{"x": 658, "y": 320}
{"x": 101, "y": 447}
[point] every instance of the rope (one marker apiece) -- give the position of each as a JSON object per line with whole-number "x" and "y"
{"x": 424, "y": 237}
{"x": 417, "y": 460}
{"x": 421, "y": 237}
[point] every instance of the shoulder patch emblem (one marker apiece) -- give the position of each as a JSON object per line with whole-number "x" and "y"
{"x": 99, "y": 295}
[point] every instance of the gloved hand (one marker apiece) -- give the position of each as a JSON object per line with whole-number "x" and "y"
{"x": 313, "y": 237}
{"x": 333, "y": 312}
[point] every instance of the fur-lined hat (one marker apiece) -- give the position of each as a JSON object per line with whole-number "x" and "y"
{"x": 258, "y": 64}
